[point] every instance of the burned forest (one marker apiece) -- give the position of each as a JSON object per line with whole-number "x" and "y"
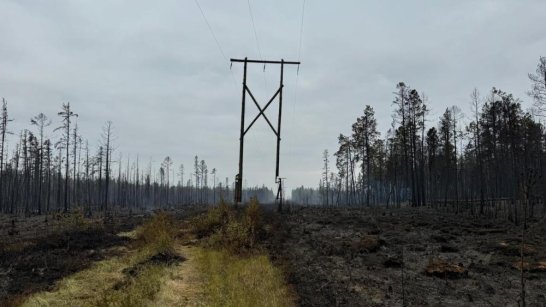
{"x": 287, "y": 153}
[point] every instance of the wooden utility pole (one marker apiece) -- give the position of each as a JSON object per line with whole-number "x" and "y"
{"x": 243, "y": 131}
{"x": 280, "y": 193}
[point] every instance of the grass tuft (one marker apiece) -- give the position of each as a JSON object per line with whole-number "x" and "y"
{"x": 231, "y": 280}
{"x": 135, "y": 291}
{"x": 206, "y": 224}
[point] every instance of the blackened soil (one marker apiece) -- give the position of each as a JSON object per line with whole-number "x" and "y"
{"x": 327, "y": 266}
{"x": 38, "y": 266}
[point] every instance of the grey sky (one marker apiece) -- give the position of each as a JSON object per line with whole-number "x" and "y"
{"x": 156, "y": 72}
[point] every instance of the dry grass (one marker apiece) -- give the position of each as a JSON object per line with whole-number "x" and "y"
{"x": 513, "y": 248}
{"x": 206, "y": 224}
{"x": 135, "y": 291}
{"x": 81, "y": 288}
{"x": 444, "y": 268}
{"x": 158, "y": 234}
{"x": 230, "y": 271}
{"x": 235, "y": 270}
{"x": 105, "y": 284}
{"x": 184, "y": 285}
{"x": 538, "y": 266}
{"x": 232, "y": 280}
{"x": 227, "y": 228}
{"x": 111, "y": 282}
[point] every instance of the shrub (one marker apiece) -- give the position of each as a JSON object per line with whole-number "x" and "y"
{"x": 206, "y": 224}
{"x": 75, "y": 221}
{"x": 253, "y": 219}
{"x": 235, "y": 231}
{"x": 158, "y": 234}
{"x": 236, "y": 237}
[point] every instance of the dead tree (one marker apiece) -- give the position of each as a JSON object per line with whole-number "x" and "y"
{"x": 66, "y": 115}
{"x": 538, "y": 90}
{"x": 106, "y": 140}
{"x": 4, "y": 119}
{"x": 41, "y": 122}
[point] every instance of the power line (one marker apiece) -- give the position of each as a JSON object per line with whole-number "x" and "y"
{"x": 298, "y": 72}
{"x": 215, "y": 38}
{"x": 299, "y": 59}
{"x": 299, "y": 54}
{"x": 254, "y": 28}
{"x": 211, "y": 31}
{"x": 301, "y": 29}
{"x": 256, "y": 37}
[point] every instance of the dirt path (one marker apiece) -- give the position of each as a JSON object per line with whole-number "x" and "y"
{"x": 179, "y": 284}
{"x": 183, "y": 286}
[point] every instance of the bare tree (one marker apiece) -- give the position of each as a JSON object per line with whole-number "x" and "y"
{"x": 167, "y": 163}
{"x": 40, "y": 121}
{"x": 107, "y": 144}
{"x": 67, "y": 115}
{"x": 538, "y": 90}
{"x": 475, "y": 102}
{"x": 204, "y": 176}
{"x": 3, "y": 131}
{"x": 213, "y": 172}
{"x": 181, "y": 174}
{"x": 325, "y": 174}
{"x": 76, "y": 139}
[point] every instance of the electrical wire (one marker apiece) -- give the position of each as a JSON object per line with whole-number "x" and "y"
{"x": 254, "y": 29}
{"x": 215, "y": 38}
{"x": 301, "y": 29}
{"x": 290, "y": 145}
{"x": 253, "y": 24}
{"x": 299, "y": 59}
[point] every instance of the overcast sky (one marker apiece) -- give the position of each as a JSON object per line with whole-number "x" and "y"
{"x": 155, "y": 70}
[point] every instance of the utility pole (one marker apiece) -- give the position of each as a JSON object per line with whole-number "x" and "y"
{"x": 243, "y": 131}
{"x": 280, "y": 193}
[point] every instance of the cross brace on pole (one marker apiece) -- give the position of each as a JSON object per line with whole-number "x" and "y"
{"x": 243, "y": 131}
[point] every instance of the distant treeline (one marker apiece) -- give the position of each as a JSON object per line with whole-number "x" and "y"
{"x": 40, "y": 175}
{"x": 495, "y": 151}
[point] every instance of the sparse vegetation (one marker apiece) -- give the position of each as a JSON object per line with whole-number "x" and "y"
{"x": 443, "y": 268}
{"x": 236, "y": 269}
{"x": 137, "y": 290}
{"x": 130, "y": 279}
{"x": 158, "y": 234}
{"x": 233, "y": 280}
{"x": 232, "y": 269}
{"x": 236, "y": 231}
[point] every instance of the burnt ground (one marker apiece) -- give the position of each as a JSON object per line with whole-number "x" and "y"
{"x": 35, "y": 252}
{"x": 352, "y": 257}
{"x": 35, "y": 262}
{"x": 37, "y": 267}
